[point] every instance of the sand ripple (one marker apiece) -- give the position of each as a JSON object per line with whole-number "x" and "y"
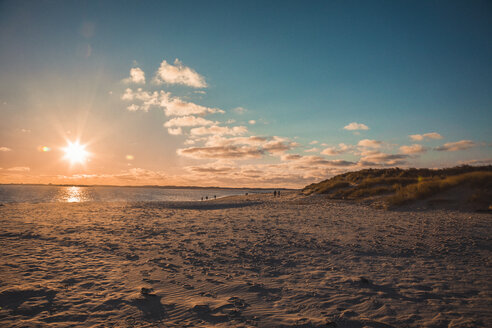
{"x": 243, "y": 262}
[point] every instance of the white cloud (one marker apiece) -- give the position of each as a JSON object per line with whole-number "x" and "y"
{"x": 430, "y": 135}
{"x": 172, "y": 106}
{"x": 331, "y": 151}
{"x": 146, "y": 99}
{"x": 413, "y": 149}
{"x": 175, "y": 131}
{"x": 458, "y": 145}
{"x": 133, "y": 108}
{"x": 5, "y": 149}
{"x": 177, "y": 107}
{"x": 179, "y": 74}
{"x": 342, "y": 149}
{"x": 219, "y": 147}
{"x": 252, "y": 122}
{"x": 370, "y": 143}
{"x": 219, "y": 130}
{"x": 136, "y": 76}
{"x": 312, "y": 150}
{"x": 356, "y": 126}
{"x": 314, "y": 142}
{"x": 188, "y": 121}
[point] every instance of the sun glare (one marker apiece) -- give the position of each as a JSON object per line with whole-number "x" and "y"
{"x": 75, "y": 152}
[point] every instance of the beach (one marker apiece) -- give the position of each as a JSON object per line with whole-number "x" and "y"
{"x": 243, "y": 261}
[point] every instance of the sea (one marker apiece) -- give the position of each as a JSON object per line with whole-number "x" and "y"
{"x": 76, "y": 194}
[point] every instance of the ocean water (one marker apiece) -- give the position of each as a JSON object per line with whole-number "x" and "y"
{"x": 73, "y": 194}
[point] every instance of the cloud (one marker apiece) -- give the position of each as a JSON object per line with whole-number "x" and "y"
{"x": 240, "y": 110}
{"x": 376, "y": 158}
{"x": 19, "y": 169}
{"x": 487, "y": 161}
{"x": 342, "y": 149}
{"x": 356, "y": 126}
{"x": 217, "y": 140}
{"x": 134, "y": 108}
{"x": 413, "y": 149}
{"x": 211, "y": 169}
{"x": 219, "y": 147}
{"x": 331, "y": 151}
{"x": 172, "y": 106}
{"x": 312, "y": 150}
{"x": 314, "y": 142}
{"x": 430, "y": 135}
{"x": 136, "y": 76}
{"x": 175, "y": 131}
{"x": 5, "y": 149}
{"x": 188, "y": 121}
{"x": 219, "y": 130}
{"x": 146, "y": 99}
{"x": 267, "y": 175}
{"x": 252, "y": 122}
{"x": 370, "y": 143}
{"x": 458, "y": 145}
{"x": 236, "y": 152}
{"x": 179, "y": 74}
{"x": 313, "y": 161}
{"x": 279, "y": 145}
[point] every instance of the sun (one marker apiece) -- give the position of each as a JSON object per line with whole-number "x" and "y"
{"x": 75, "y": 153}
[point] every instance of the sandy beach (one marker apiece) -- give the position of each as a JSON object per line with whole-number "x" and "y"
{"x": 245, "y": 261}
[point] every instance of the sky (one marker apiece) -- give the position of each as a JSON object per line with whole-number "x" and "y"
{"x": 240, "y": 93}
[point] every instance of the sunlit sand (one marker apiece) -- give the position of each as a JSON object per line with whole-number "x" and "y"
{"x": 244, "y": 261}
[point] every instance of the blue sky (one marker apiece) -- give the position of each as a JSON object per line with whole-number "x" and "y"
{"x": 284, "y": 74}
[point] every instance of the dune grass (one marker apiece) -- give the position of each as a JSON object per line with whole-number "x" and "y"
{"x": 479, "y": 181}
{"x": 398, "y": 186}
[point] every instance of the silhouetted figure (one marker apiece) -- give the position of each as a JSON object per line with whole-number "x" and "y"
{"x": 246, "y": 194}
{"x": 215, "y": 196}
{"x": 206, "y": 197}
{"x": 278, "y": 193}
{"x": 274, "y": 193}
{"x": 202, "y": 198}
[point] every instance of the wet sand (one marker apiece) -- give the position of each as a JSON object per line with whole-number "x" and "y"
{"x": 246, "y": 261}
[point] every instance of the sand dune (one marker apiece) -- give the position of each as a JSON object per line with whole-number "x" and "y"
{"x": 246, "y": 261}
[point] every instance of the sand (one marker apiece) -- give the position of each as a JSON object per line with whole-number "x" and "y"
{"x": 248, "y": 261}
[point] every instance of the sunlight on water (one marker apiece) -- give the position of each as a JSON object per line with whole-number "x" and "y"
{"x": 73, "y": 195}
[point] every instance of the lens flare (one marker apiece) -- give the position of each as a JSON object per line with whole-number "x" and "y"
{"x": 75, "y": 153}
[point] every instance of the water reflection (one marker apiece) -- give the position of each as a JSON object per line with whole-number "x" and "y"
{"x": 73, "y": 195}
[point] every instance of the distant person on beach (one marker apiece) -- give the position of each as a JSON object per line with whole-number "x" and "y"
{"x": 202, "y": 198}
{"x": 274, "y": 193}
{"x": 215, "y": 196}
{"x": 206, "y": 197}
